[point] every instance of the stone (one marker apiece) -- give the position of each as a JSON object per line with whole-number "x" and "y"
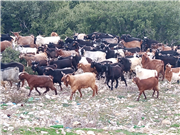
{"x": 90, "y": 133}
{"x": 80, "y": 132}
{"x": 105, "y": 128}
{"x": 63, "y": 132}
{"x": 166, "y": 122}
{"x": 10, "y": 128}
{"x": 44, "y": 132}
{"x": 76, "y": 123}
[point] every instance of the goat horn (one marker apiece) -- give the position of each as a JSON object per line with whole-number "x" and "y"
{"x": 63, "y": 73}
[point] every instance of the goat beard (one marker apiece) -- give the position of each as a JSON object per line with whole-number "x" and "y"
{"x": 66, "y": 83}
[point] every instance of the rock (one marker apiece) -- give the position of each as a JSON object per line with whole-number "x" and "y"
{"x": 105, "y": 128}
{"x": 47, "y": 96}
{"x": 63, "y": 132}
{"x": 145, "y": 130}
{"x": 128, "y": 95}
{"x": 41, "y": 104}
{"x": 168, "y": 112}
{"x": 9, "y": 104}
{"x": 166, "y": 122}
{"x": 44, "y": 132}
{"x": 5, "y": 124}
{"x": 90, "y": 133}
{"x": 27, "y": 123}
{"x": 73, "y": 103}
{"x": 68, "y": 130}
{"x": 10, "y": 128}
{"x": 132, "y": 129}
{"x": 172, "y": 129}
{"x": 76, "y": 123}
{"x": 41, "y": 113}
{"x": 80, "y": 132}
{"x": 35, "y": 123}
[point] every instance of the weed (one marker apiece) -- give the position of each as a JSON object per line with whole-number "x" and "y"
{"x": 15, "y": 97}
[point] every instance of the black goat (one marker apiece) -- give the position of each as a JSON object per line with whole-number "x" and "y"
{"x": 113, "y": 72}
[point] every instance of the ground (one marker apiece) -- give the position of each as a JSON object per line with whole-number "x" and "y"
{"x": 110, "y": 112}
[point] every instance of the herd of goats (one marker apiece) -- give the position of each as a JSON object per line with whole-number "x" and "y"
{"x": 99, "y": 55}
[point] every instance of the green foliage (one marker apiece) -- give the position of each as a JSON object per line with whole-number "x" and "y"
{"x": 10, "y": 55}
{"x": 154, "y": 19}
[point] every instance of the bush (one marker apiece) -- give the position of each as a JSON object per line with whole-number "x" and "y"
{"x": 11, "y": 55}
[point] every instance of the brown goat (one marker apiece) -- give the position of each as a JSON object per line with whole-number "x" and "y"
{"x": 5, "y": 44}
{"x": 35, "y": 81}
{"x": 34, "y": 58}
{"x": 79, "y": 81}
{"x": 86, "y": 68}
{"x": 23, "y": 40}
{"x": 54, "y": 34}
{"x": 147, "y": 84}
{"x": 153, "y": 64}
{"x": 64, "y": 53}
{"x": 131, "y": 44}
{"x": 172, "y": 74}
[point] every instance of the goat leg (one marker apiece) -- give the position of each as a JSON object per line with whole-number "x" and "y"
{"x": 157, "y": 93}
{"x": 10, "y": 83}
{"x": 38, "y": 91}
{"x": 108, "y": 83}
{"x": 3, "y": 84}
{"x": 60, "y": 86}
{"x": 96, "y": 89}
{"x": 18, "y": 85}
{"x": 144, "y": 95}
{"x": 47, "y": 89}
{"x": 153, "y": 93}
{"x": 139, "y": 95}
{"x": 116, "y": 83}
{"x": 123, "y": 79}
{"x": 22, "y": 83}
{"x": 71, "y": 95}
{"x": 112, "y": 81}
{"x": 80, "y": 92}
{"x": 31, "y": 88}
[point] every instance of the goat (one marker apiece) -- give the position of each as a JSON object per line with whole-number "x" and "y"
{"x": 79, "y": 81}
{"x": 57, "y": 74}
{"x": 35, "y": 81}
{"x": 143, "y": 73}
{"x": 147, "y": 84}
{"x": 64, "y": 53}
{"x": 87, "y": 68}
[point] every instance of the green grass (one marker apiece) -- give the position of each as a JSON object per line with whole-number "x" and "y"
{"x": 37, "y": 131}
{"x": 53, "y": 131}
{"x": 175, "y": 125}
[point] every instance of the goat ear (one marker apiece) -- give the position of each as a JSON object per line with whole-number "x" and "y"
{"x": 68, "y": 78}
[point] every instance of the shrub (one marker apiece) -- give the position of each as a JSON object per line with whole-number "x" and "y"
{"x": 10, "y": 55}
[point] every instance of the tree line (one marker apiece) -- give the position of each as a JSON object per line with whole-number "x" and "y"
{"x": 158, "y": 20}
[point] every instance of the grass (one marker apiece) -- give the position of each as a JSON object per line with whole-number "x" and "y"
{"x": 175, "y": 125}
{"x": 53, "y": 131}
